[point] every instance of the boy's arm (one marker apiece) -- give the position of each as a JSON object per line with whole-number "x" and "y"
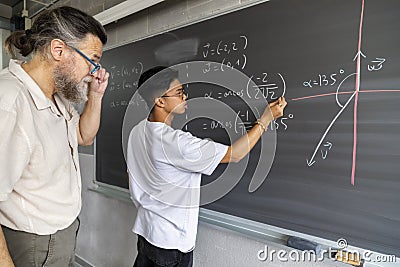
{"x": 239, "y": 149}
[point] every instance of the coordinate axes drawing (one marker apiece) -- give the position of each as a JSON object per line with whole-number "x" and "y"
{"x": 376, "y": 65}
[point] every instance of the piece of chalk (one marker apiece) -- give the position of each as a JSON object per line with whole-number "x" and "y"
{"x": 303, "y": 244}
{"x": 349, "y": 257}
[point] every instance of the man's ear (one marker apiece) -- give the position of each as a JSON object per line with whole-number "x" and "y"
{"x": 57, "y": 49}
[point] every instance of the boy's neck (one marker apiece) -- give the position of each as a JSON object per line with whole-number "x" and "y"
{"x": 164, "y": 118}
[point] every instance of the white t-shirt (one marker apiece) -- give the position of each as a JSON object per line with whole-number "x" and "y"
{"x": 165, "y": 167}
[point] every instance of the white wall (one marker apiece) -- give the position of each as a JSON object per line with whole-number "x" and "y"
{"x": 105, "y": 237}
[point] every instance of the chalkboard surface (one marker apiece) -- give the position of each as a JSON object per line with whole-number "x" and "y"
{"x": 336, "y": 173}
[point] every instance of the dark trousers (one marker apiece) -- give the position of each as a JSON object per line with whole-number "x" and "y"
{"x": 31, "y": 250}
{"x": 152, "y": 256}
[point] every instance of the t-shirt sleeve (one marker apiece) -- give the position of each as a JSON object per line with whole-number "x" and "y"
{"x": 15, "y": 151}
{"x": 194, "y": 154}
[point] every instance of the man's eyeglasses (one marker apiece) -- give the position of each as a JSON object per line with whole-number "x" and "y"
{"x": 182, "y": 93}
{"x": 96, "y": 66}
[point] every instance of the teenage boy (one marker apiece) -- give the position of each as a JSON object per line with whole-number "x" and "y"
{"x": 165, "y": 167}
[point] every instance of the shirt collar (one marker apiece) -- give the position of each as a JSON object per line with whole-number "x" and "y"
{"x": 39, "y": 98}
{"x": 62, "y": 104}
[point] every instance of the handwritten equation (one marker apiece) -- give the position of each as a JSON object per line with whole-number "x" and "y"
{"x": 323, "y": 79}
{"x": 135, "y": 101}
{"x": 265, "y": 86}
{"x": 125, "y": 79}
{"x": 242, "y": 123}
{"x": 229, "y": 54}
{"x": 268, "y": 86}
{"x": 331, "y": 79}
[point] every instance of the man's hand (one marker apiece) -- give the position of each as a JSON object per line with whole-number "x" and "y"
{"x": 99, "y": 82}
{"x": 90, "y": 119}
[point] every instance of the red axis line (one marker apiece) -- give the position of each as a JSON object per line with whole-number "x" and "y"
{"x": 353, "y": 168}
{"x": 343, "y": 93}
{"x": 316, "y": 96}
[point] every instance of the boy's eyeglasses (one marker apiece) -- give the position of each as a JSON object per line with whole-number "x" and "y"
{"x": 181, "y": 94}
{"x": 96, "y": 66}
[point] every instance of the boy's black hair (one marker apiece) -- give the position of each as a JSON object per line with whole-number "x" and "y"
{"x": 155, "y": 82}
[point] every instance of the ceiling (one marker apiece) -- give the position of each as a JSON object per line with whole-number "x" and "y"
{"x": 11, "y": 3}
{"x": 32, "y": 6}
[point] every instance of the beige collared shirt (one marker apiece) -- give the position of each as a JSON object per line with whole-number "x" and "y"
{"x": 40, "y": 182}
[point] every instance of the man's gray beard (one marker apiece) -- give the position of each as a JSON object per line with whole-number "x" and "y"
{"x": 69, "y": 88}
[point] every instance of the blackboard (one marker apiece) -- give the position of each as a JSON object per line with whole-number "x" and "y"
{"x": 336, "y": 169}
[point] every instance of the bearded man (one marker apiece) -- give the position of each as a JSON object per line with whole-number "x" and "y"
{"x": 40, "y": 182}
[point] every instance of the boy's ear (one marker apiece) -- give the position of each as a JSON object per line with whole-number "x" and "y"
{"x": 159, "y": 102}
